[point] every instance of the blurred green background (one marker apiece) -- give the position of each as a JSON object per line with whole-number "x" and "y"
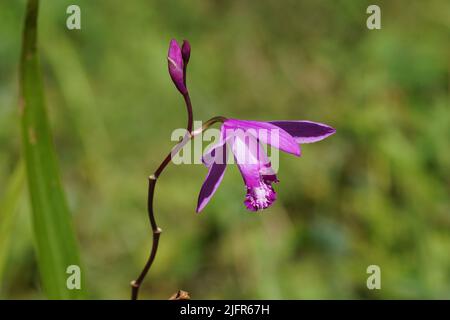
{"x": 377, "y": 192}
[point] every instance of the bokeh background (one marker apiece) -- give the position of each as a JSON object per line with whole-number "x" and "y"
{"x": 377, "y": 192}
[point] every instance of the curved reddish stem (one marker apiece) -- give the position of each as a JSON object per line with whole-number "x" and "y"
{"x": 136, "y": 284}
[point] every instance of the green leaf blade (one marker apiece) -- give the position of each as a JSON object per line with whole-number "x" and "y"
{"x": 8, "y": 207}
{"x": 55, "y": 238}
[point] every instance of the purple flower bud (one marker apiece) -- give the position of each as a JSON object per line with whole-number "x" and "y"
{"x": 176, "y": 66}
{"x": 186, "y": 51}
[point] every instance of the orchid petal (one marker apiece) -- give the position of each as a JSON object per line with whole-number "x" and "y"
{"x": 256, "y": 171}
{"x": 252, "y": 161}
{"x": 305, "y": 131}
{"x": 267, "y": 133}
{"x": 212, "y": 182}
{"x": 215, "y": 153}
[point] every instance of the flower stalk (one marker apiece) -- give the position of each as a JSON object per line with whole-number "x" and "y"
{"x": 136, "y": 284}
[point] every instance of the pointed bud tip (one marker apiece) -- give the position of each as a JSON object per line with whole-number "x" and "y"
{"x": 186, "y": 51}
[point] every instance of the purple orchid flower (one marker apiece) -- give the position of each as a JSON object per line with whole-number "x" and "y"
{"x": 178, "y": 59}
{"x": 244, "y": 139}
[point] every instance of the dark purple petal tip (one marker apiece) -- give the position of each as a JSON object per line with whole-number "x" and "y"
{"x": 305, "y": 131}
{"x": 186, "y": 51}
